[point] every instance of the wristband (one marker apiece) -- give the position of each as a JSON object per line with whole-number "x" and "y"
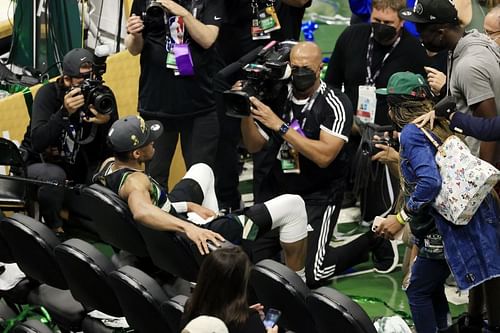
{"x": 400, "y": 219}
{"x": 404, "y": 216}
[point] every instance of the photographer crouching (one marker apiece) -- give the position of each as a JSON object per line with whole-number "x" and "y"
{"x": 65, "y": 140}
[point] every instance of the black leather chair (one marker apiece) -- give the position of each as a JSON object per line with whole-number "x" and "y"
{"x": 140, "y": 297}
{"x": 173, "y": 310}
{"x": 112, "y": 220}
{"x": 334, "y": 312}
{"x": 86, "y": 271}
{"x": 13, "y": 193}
{"x": 31, "y": 326}
{"x": 171, "y": 254}
{"x": 32, "y": 244}
{"x": 276, "y": 286}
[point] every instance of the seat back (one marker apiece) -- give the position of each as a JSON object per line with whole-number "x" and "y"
{"x": 140, "y": 298}
{"x": 171, "y": 253}
{"x": 86, "y": 271}
{"x": 335, "y": 312}
{"x": 31, "y": 326}
{"x": 113, "y": 220}
{"x": 278, "y": 287}
{"x": 173, "y": 310}
{"x": 6, "y": 255}
{"x": 13, "y": 193}
{"x": 32, "y": 244}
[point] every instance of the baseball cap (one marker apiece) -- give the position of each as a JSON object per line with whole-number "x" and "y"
{"x": 75, "y": 59}
{"x": 404, "y": 83}
{"x": 133, "y": 132}
{"x": 205, "y": 324}
{"x": 430, "y": 11}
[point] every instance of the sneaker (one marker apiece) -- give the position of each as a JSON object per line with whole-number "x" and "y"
{"x": 385, "y": 256}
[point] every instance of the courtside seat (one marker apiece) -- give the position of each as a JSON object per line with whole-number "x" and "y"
{"x": 140, "y": 297}
{"x": 333, "y": 311}
{"x": 173, "y": 310}
{"x": 86, "y": 271}
{"x": 276, "y": 286}
{"x": 31, "y": 326}
{"x": 172, "y": 254}
{"x": 113, "y": 220}
{"x": 32, "y": 244}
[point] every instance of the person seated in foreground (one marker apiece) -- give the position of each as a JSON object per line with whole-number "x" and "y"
{"x": 131, "y": 140}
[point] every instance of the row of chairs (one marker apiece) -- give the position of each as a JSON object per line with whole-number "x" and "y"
{"x": 72, "y": 278}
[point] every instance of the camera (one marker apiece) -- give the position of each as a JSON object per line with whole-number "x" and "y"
{"x": 97, "y": 94}
{"x": 368, "y": 147}
{"x": 154, "y": 9}
{"x": 445, "y": 107}
{"x": 264, "y": 78}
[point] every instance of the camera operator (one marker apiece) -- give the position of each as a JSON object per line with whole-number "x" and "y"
{"x": 174, "y": 89}
{"x": 308, "y": 136}
{"x": 67, "y": 139}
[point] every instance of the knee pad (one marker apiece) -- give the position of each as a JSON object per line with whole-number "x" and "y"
{"x": 288, "y": 212}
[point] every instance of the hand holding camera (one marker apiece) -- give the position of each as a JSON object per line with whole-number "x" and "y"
{"x": 73, "y": 100}
{"x": 135, "y": 25}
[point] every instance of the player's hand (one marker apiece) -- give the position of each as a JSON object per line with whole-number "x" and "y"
{"x": 203, "y": 212}
{"x": 200, "y": 237}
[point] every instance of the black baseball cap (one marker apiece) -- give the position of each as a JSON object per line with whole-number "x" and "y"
{"x": 430, "y": 11}
{"x": 133, "y": 132}
{"x": 75, "y": 59}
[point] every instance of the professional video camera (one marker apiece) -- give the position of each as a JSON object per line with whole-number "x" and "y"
{"x": 264, "y": 77}
{"x": 93, "y": 89}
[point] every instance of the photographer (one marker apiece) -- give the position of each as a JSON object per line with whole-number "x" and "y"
{"x": 67, "y": 139}
{"x": 178, "y": 62}
{"x": 308, "y": 135}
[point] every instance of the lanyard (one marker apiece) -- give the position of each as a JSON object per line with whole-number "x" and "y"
{"x": 370, "y": 80}
{"x": 305, "y": 109}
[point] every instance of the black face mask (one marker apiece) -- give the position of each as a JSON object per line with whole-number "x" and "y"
{"x": 384, "y": 34}
{"x": 303, "y": 78}
{"x": 434, "y": 45}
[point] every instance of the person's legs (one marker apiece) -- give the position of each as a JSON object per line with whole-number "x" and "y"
{"x": 199, "y": 139}
{"x": 286, "y": 213}
{"x": 159, "y": 166}
{"x": 425, "y": 291}
{"x": 50, "y": 198}
{"x": 492, "y": 302}
{"x": 203, "y": 175}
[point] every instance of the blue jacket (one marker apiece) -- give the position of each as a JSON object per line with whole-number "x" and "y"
{"x": 472, "y": 251}
{"x": 485, "y": 129}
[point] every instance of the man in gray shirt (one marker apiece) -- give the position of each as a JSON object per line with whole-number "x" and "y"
{"x": 473, "y": 63}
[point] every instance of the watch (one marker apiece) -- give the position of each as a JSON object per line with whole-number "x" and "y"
{"x": 283, "y": 129}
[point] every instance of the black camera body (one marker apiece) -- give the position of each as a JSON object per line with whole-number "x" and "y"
{"x": 264, "y": 78}
{"x": 368, "y": 147}
{"x": 97, "y": 94}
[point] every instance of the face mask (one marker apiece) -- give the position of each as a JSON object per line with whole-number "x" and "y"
{"x": 434, "y": 45}
{"x": 384, "y": 34}
{"x": 303, "y": 78}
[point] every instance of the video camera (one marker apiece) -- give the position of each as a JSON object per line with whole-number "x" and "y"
{"x": 93, "y": 89}
{"x": 368, "y": 145}
{"x": 264, "y": 77}
{"x": 154, "y": 9}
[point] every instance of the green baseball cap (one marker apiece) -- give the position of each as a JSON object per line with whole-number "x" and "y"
{"x": 405, "y": 83}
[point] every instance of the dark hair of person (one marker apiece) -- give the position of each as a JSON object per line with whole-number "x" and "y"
{"x": 221, "y": 290}
{"x": 123, "y": 156}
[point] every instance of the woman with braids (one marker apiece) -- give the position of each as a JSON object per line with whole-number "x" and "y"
{"x": 472, "y": 251}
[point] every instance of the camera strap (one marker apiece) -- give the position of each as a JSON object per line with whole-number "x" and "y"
{"x": 301, "y": 116}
